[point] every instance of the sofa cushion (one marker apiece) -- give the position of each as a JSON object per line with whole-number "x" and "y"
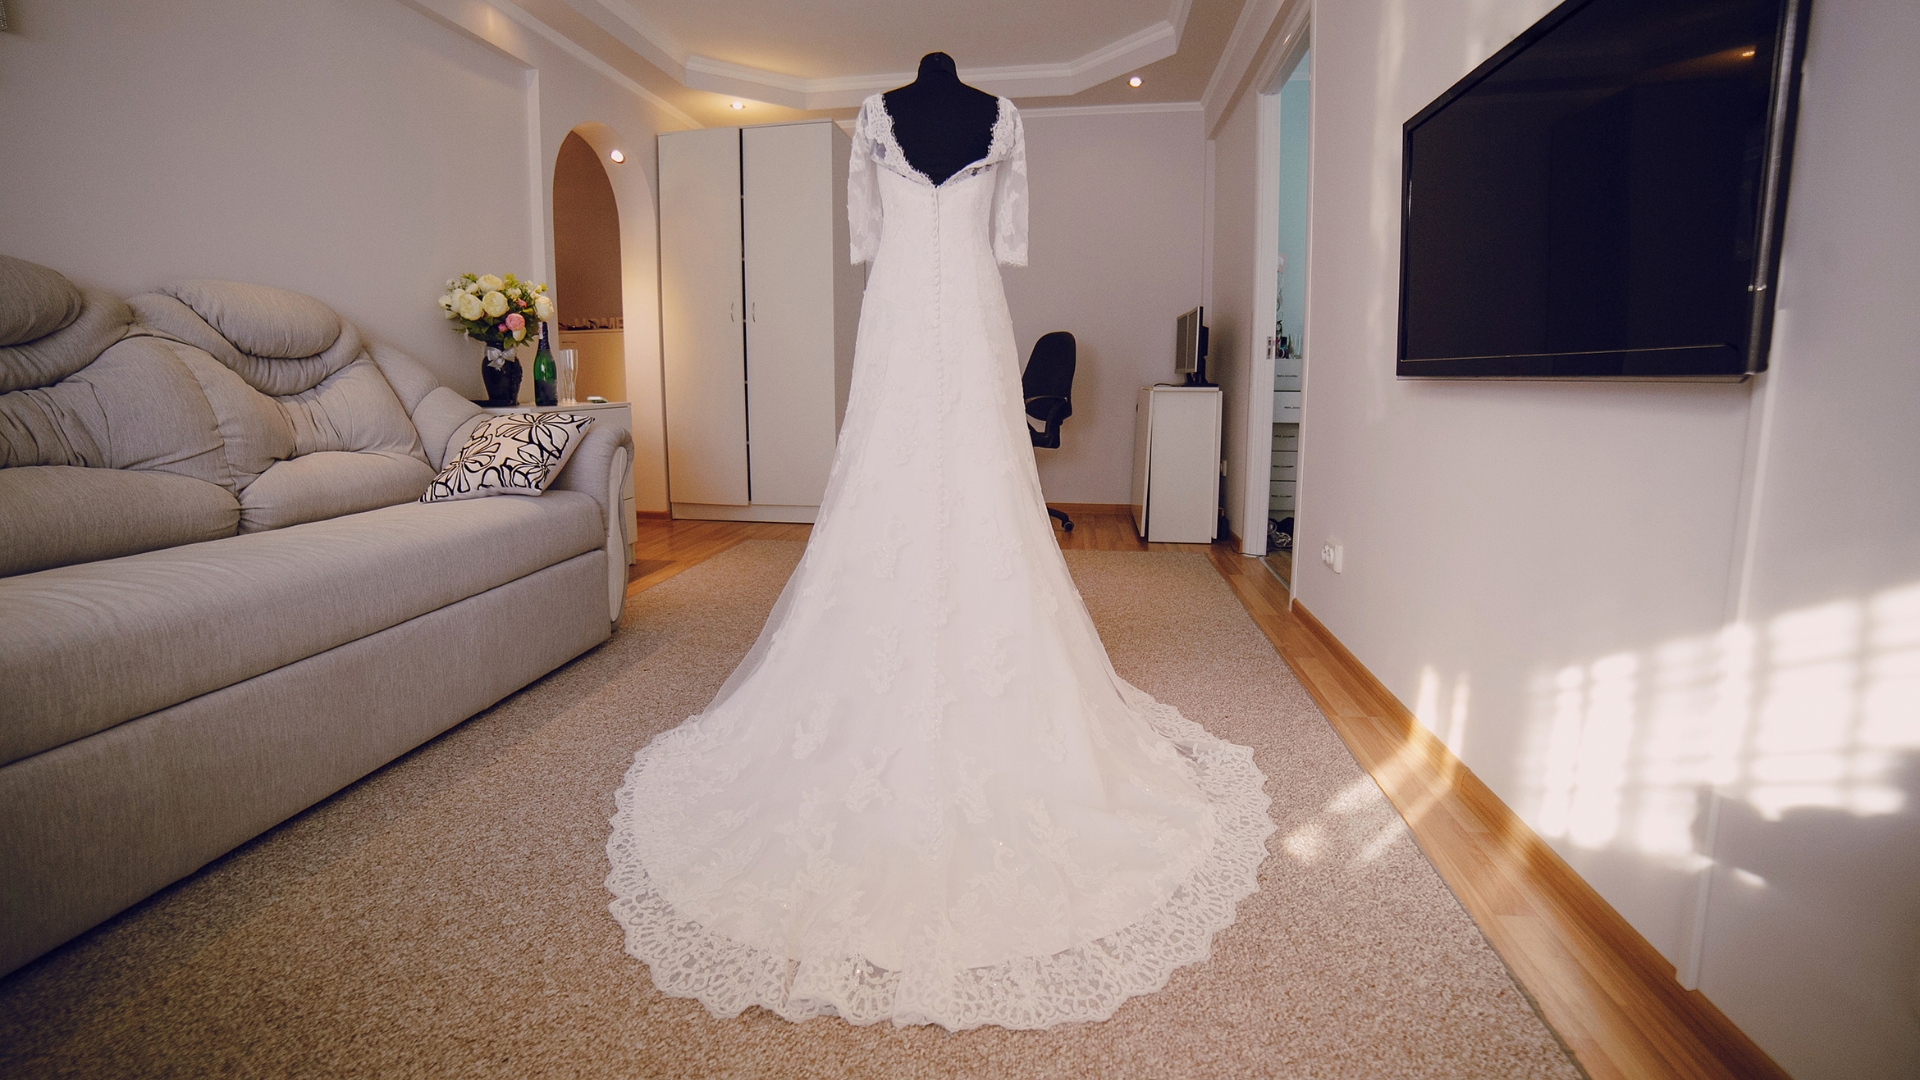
{"x": 276, "y": 324}
{"x": 45, "y": 360}
{"x": 56, "y": 515}
{"x": 444, "y": 419}
{"x": 254, "y": 429}
{"x": 352, "y": 409}
{"x": 51, "y": 425}
{"x": 146, "y": 403}
{"x": 152, "y": 412}
{"x": 410, "y": 381}
{"x": 329, "y": 484}
{"x": 273, "y": 319}
{"x": 35, "y": 300}
{"x": 88, "y": 646}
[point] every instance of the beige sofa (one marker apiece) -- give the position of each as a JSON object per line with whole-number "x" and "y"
{"x": 220, "y": 600}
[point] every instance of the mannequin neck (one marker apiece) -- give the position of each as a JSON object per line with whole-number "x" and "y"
{"x": 937, "y": 69}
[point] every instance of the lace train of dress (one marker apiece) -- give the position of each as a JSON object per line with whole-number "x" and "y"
{"x": 925, "y": 796}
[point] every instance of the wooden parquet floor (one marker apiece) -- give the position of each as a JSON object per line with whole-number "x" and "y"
{"x": 1608, "y": 994}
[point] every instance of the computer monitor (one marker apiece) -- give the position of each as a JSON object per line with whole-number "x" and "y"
{"x": 1190, "y": 347}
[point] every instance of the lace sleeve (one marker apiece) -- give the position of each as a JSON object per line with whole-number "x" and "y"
{"x": 1010, "y": 200}
{"x": 863, "y": 193}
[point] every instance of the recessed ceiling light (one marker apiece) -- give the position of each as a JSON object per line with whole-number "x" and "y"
{"x": 1135, "y": 81}
{"x": 617, "y": 156}
{"x": 737, "y": 105}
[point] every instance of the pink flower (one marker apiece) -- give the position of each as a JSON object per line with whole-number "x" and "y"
{"x": 516, "y": 321}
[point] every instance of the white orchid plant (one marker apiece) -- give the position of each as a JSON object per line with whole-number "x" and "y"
{"x": 500, "y": 311}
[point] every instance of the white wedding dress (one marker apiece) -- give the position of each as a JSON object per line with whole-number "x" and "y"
{"x": 925, "y": 795}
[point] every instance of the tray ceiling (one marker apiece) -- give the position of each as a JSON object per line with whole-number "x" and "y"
{"x": 787, "y": 58}
{"x": 851, "y": 38}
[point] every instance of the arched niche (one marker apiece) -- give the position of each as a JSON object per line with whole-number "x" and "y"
{"x": 586, "y": 268}
{"x": 639, "y": 295}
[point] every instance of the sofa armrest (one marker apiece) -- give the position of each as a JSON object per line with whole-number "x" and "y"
{"x": 587, "y": 470}
{"x": 599, "y": 468}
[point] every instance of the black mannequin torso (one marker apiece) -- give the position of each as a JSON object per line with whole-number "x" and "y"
{"x": 942, "y": 124}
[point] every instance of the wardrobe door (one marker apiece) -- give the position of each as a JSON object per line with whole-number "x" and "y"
{"x": 701, "y": 312}
{"x": 789, "y": 212}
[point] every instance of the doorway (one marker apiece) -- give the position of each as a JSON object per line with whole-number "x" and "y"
{"x": 586, "y": 272}
{"x": 1292, "y": 109}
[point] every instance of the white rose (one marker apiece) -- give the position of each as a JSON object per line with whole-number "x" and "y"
{"x": 520, "y": 333}
{"x": 515, "y": 293}
{"x": 542, "y": 308}
{"x": 494, "y": 303}
{"x": 491, "y": 283}
{"x": 470, "y": 306}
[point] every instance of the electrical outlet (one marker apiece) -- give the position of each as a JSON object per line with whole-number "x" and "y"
{"x": 1333, "y": 553}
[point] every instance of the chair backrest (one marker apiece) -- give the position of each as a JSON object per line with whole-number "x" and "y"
{"x": 1050, "y": 369}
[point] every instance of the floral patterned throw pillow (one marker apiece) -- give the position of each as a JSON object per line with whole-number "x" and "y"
{"x": 513, "y": 454}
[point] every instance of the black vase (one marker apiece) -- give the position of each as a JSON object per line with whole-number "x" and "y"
{"x": 503, "y": 383}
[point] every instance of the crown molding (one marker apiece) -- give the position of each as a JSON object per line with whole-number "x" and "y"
{"x": 579, "y": 52}
{"x": 1265, "y": 29}
{"x": 479, "y": 19}
{"x": 1113, "y": 110}
{"x": 631, "y": 27}
{"x": 626, "y": 22}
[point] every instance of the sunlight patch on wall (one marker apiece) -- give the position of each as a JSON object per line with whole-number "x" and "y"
{"x": 1456, "y": 731}
{"x": 1451, "y": 724}
{"x": 1817, "y": 707}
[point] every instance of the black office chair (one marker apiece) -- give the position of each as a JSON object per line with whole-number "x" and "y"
{"x": 1047, "y": 384}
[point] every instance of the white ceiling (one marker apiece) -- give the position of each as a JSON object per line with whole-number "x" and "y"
{"x": 788, "y": 58}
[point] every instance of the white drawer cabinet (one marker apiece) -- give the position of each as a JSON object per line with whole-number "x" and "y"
{"x": 1176, "y": 464}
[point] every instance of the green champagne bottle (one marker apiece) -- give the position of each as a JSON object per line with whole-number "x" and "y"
{"x": 544, "y": 389}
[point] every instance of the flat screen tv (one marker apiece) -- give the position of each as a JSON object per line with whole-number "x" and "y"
{"x": 1603, "y": 197}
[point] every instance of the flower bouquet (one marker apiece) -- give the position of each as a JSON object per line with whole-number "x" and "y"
{"x": 499, "y": 312}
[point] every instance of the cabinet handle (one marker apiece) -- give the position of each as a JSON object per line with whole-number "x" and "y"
{"x": 730, "y": 310}
{"x": 753, "y": 310}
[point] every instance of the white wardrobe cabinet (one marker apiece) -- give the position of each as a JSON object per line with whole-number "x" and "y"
{"x": 758, "y": 308}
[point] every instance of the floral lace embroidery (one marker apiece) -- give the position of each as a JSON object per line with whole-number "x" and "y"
{"x": 811, "y": 731}
{"x": 866, "y": 788}
{"x": 875, "y": 147}
{"x": 1078, "y": 981}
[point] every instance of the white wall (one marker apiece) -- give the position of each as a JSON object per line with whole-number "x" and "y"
{"x": 1556, "y": 577}
{"x": 1813, "y": 942}
{"x": 361, "y": 151}
{"x": 1115, "y": 248}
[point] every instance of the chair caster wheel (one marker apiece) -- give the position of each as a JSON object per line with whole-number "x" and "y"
{"x": 1068, "y": 526}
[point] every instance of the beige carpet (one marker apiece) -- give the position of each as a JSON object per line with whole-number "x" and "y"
{"x": 445, "y": 916}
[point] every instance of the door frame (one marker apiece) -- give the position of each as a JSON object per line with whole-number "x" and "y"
{"x": 1255, "y": 486}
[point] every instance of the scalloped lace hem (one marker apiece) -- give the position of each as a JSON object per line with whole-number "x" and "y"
{"x": 1085, "y": 983}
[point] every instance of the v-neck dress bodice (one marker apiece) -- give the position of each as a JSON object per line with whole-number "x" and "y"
{"x": 924, "y": 795}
